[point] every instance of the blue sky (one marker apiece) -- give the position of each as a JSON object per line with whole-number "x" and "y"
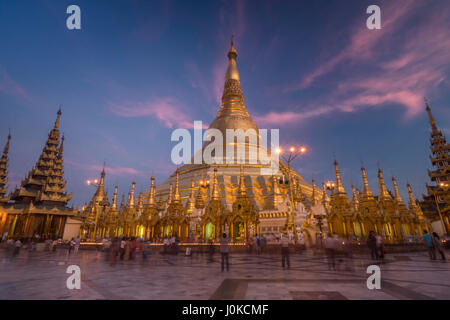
{"x": 139, "y": 69}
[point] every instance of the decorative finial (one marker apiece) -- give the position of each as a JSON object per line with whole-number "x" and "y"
{"x": 57, "y": 118}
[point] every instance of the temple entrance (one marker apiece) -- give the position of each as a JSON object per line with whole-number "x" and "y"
{"x": 141, "y": 231}
{"x": 168, "y": 231}
{"x": 184, "y": 234}
{"x": 358, "y": 230}
{"x": 405, "y": 229}
{"x": 209, "y": 228}
{"x": 238, "y": 230}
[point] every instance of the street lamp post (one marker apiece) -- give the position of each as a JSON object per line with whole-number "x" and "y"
{"x": 95, "y": 184}
{"x": 293, "y": 154}
{"x": 319, "y": 218}
{"x": 330, "y": 186}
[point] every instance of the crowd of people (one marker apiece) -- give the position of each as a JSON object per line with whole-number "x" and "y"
{"x": 338, "y": 251}
{"x": 433, "y": 244}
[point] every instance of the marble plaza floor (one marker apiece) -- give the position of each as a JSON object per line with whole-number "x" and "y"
{"x": 42, "y": 275}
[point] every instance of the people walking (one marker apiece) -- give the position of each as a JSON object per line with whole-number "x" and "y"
{"x": 372, "y": 244}
{"x": 133, "y": 248}
{"x": 71, "y": 245}
{"x": 257, "y": 243}
{"x": 330, "y": 250}
{"x": 77, "y": 244}
{"x": 211, "y": 251}
{"x": 127, "y": 249}
{"x": 17, "y": 246}
{"x": 225, "y": 251}
{"x": 428, "y": 241}
{"x": 380, "y": 246}
{"x": 438, "y": 245}
{"x": 166, "y": 245}
{"x": 285, "y": 251}
{"x": 122, "y": 248}
{"x": 29, "y": 245}
{"x": 146, "y": 250}
{"x": 113, "y": 252}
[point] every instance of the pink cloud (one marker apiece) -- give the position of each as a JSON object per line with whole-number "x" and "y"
{"x": 364, "y": 43}
{"x": 11, "y": 88}
{"x": 117, "y": 171}
{"x": 278, "y": 118}
{"x": 168, "y": 110}
{"x": 407, "y": 63}
{"x": 95, "y": 169}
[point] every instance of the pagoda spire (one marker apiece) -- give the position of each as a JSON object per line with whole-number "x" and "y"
{"x": 131, "y": 200}
{"x": 152, "y": 193}
{"x": 140, "y": 203}
{"x": 313, "y": 194}
{"x": 176, "y": 195}
{"x": 4, "y": 169}
{"x": 412, "y": 200}
{"x": 58, "y": 117}
{"x": 215, "y": 189}
{"x": 413, "y": 204}
{"x": 325, "y": 198}
{"x": 431, "y": 118}
{"x": 122, "y": 203}
{"x": 339, "y": 186}
{"x": 367, "y": 193}
{"x": 397, "y": 196}
{"x": 114, "y": 204}
{"x": 232, "y": 70}
{"x": 355, "y": 200}
{"x": 233, "y": 113}
{"x": 242, "y": 190}
{"x": 6, "y": 149}
{"x": 199, "y": 201}
{"x": 383, "y": 192}
{"x": 191, "y": 202}
{"x": 100, "y": 195}
{"x": 170, "y": 198}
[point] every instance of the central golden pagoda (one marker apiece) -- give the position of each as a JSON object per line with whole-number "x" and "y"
{"x": 204, "y": 200}
{"x": 232, "y": 115}
{"x": 209, "y": 191}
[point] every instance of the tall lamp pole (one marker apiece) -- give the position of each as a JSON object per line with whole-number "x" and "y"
{"x": 292, "y": 155}
{"x": 95, "y": 184}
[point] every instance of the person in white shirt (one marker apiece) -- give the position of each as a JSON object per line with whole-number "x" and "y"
{"x": 122, "y": 248}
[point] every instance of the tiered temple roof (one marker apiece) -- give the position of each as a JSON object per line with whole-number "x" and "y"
{"x": 439, "y": 191}
{"x": 45, "y": 184}
{"x": 4, "y": 172}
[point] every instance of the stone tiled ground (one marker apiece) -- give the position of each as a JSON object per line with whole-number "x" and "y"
{"x": 42, "y": 275}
